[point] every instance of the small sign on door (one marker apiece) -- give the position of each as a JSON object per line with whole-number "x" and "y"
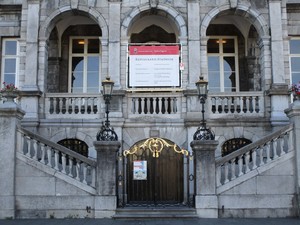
{"x": 139, "y": 170}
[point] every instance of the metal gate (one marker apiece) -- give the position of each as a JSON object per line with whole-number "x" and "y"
{"x": 154, "y": 174}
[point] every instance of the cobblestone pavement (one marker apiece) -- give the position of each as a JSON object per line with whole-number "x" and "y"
{"x": 295, "y": 221}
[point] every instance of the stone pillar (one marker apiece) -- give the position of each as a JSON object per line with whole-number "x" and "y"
{"x": 106, "y": 201}
{"x": 30, "y": 89}
{"x": 293, "y": 113}
{"x": 193, "y": 42}
{"x": 114, "y": 47}
{"x": 278, "y": 89}
{"x": 206, "y": 201}
{"x": 10, "y": 117}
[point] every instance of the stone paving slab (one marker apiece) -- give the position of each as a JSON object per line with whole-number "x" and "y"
{"x": 295, "y": 221}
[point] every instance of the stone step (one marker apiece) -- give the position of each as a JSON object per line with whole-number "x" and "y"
{"x": 151, "y": 213}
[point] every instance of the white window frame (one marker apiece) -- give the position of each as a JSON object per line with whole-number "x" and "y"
{"x": 293, "y": 56}
{"x": 4, "y": 57}
{"x": 84, "y": 55}
{"x": 221, "y": 55}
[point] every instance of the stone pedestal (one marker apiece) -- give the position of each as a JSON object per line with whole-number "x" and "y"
{"x": 206, "y": 201}
{"x": 293, "y": 113}
{"x": 106, "y": 202}
{"x": 10, "y": 117}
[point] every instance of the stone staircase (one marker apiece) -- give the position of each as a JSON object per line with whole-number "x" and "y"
{"x": 155, "y": 213}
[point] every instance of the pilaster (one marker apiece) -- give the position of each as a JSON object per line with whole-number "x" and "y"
{"x": 193, "y": 42}
{"x": 114, "y": 47}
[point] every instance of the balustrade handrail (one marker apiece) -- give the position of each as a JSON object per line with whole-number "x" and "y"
{"x": 57, "y": 147}
{"x": 254, "y": 145}
{"x": 72, "y": 95}
{"x": 236, "y": 94}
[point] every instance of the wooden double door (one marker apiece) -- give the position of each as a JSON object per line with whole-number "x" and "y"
{"x": 155, "y": 177}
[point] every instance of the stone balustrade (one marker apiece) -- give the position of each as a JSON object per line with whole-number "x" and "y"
{"x": 68, "y": 105}
{"x": 254, "y": 155}
{"x": 57, "y": 157}
{"x": 154, "y": 104}
{"x": 246, "y": 104}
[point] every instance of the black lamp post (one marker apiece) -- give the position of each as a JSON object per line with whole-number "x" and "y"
{"x": 202, "y": 132}
{"x": 107, "y": 133}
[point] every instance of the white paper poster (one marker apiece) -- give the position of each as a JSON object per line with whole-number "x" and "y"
{"x": 140, "y": 170}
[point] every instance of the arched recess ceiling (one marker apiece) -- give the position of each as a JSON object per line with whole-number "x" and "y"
{"x": 162, "y": 15}
{"x": 64, "y": 17}
{"x": 242, "y": 17}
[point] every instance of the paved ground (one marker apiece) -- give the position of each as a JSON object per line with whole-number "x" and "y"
{"x": 152, "y": 222}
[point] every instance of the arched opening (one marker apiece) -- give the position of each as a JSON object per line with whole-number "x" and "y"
{"x": 155, "y": 174}
{"x": 74, "y": 55}
{"x": 233, "y": 54}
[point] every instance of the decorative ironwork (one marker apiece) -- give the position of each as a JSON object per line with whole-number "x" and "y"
{"x": 232, "y": 145}
{"x": 203, "y": 133}
{"x": 75, "y": 145}
{"x": 106, "y": 132}
{"x": 155, "y": 145}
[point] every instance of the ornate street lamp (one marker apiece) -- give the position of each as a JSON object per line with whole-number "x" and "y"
{"x": 107, "y": 133}
{"x": 202, "y": 132}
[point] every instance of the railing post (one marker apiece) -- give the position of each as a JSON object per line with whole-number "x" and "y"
{"x": 10, "y": 117}
{"x": 106, "y": 202}
{"x": 293, "y": 113}
{"x": 206, "y": 201}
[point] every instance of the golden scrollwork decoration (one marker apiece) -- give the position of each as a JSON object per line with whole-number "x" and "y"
{"x": 156, "y": 146}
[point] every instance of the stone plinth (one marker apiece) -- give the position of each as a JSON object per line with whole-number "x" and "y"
{"x": 206, "y": 201}
{"x": 10, "y": 117}
{"x": 106, "y": 202}
{"x": 293, "y": 113}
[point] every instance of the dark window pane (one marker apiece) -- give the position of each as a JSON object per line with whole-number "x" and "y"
{"x": 228, "y": 45}
{"x": 93, "y": 46}
{"x": 77, "y": 72}
{"x": 78, "y": 46}
{"x": 213, "y": 46}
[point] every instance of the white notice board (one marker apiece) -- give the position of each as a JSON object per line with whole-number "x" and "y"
{"x": 154, "y": 66}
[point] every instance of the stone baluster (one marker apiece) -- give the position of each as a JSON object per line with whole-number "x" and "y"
{"x": 67, "y": 105}
{"x": 49, "y": 155}
{"x": 226, "y": 180}
{"x": 85, "y": 106}
{"x": 35, "y": 150}
{"x": 281, "y": 144}
{"x": 261, "y": 157}
{"x": 218, "y": 175}
{"x": 73, "y": 105}
{"x": 56, "y": 159}
{"x": 84, "y": 166}
{"x": 267, "y": 148}
{"x": 43, "y": 153}
{"x": 28, "y": 146}
{"x": 247, "y": 159}
{"x": 142, "y": 105}
{"x": 240, "y": 164}
{"x": 233, "y": 169}
{"x": 254, "y": 154}
{"x": 63, "y": 163}
{"x": 61, "y": 101}
{"x": 78, "y": 162}
{"x": 71, "y": 166}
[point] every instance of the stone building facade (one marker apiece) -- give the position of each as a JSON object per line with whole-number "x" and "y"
{"x": 57, "y": 53}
